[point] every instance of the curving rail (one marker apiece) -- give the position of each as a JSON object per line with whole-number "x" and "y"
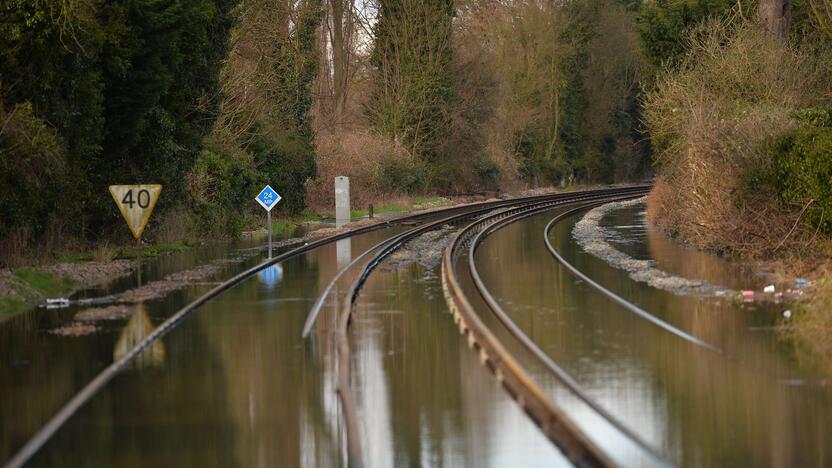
{"x": 614, "y": 297}
{"x": 508, "y": 371}
{"x": 387, "y": 248}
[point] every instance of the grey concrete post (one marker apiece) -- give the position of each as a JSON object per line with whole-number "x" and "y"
{"x": 342, "y": 200}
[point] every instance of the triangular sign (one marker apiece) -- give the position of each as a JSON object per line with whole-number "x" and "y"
{"x": 136, "y": 202}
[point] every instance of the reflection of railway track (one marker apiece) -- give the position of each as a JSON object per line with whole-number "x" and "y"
{"x": 449, "y": 215}
{"x": 505, "y": 366}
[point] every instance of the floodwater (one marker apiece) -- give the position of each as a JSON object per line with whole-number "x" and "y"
{"x": 754, "y": 404}
{"x": 236, "y": 385}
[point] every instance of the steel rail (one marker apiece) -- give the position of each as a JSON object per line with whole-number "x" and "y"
{"x": 553, "y": 422}
{"x": 467, "y": 210}
{"x": 355, "y": 457}
{"x": 46, "y": 431}
{"x": 535, "y": 350}
{"x": 614, "y": 297}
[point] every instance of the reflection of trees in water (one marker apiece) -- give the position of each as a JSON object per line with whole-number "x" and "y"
{"x": 137, "y": 329}
{"x": 275, "y": 384}
{"x": 429, "y": 385}
{"x": 154, "y": 416}
{"x": 40, "y": 372}
{"x": 709, "y": 409}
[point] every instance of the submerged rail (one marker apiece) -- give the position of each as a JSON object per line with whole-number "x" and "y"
{"x": 65, "y": 412}
{"x": 558, "y": 427}
{"x": 535, "y": 350}
{"x": 615, "y": 297}
{"x": 386, "y": 248}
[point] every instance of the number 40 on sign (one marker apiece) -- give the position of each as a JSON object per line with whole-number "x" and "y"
{"x": 136, "y": 203}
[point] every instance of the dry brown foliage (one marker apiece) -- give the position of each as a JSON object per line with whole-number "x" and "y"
{"x": 709, "y": 122}
{"x": 358, "y": 154}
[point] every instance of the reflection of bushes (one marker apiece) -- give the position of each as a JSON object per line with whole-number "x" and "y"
{"x": 813, "y": 326}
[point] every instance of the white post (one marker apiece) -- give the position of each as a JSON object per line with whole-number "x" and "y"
{"x": 342, "y": 200}
{"x": 269, "y": 221}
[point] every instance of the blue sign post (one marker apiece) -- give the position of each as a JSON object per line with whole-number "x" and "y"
{"x": 268, "y": 199}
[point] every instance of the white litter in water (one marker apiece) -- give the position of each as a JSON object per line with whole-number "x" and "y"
{"x": 769, "y": 289}
{"x": 787, "y": 314}
{"x": 593, "y": 238}
{"x": 57, "y": 303}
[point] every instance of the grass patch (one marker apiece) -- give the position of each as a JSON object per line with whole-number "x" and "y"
{"x": 392, "y": 208}
{"x": 40, "y": 283}
{"x": 9, "y": 307}
{"x": 431, "y": 202}
{"x": 151, "y": 251}
{"x": 307, "y": 217}
{"x": 284, "y": 229}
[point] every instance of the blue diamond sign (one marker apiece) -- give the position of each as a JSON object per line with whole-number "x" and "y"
{"x": 268, "y": 198}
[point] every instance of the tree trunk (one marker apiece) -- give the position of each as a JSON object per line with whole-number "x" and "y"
{"x": 775, "y": 16}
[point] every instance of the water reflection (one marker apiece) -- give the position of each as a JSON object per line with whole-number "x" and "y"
{"x": 423, "y": 396}
{"x": 270, "y": 277}
{"x": 702, "y": 409}
{"x": 134, "y": 332}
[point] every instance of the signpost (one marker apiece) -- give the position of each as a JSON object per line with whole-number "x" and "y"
{"x": 268, "y": 199}
{"x": 136, "y": 203}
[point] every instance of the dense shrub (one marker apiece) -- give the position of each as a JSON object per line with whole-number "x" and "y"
{"x": 709, "y": 121}
{"x": 801, "y": 172}
{"x": 220, "y": 185}
{"x": 32, "y": 170}
{"x": 664, "y": 26}
{"x": 285, "y": 161}
{"x": 126, "y": 87}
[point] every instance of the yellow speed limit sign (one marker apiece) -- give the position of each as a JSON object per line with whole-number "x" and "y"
{"x": 136, "y": 203}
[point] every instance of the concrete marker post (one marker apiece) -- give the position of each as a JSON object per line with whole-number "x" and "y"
{"x": 342, "y": 200}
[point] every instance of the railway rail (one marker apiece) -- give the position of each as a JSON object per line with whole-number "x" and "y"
{"x": 559, "y": 425}
{"x": 611, "y": 295}
{"x": 387, "y": 248}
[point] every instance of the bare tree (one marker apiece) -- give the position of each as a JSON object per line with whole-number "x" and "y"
{"x": 776, "y": 16}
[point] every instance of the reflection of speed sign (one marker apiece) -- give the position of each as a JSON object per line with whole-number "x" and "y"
{"x": 136, "y": 202}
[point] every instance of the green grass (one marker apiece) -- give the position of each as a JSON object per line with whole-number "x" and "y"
{"x": 431, "y": 202}
{"x": 9, "y": 307}
{"x": 153, "y": 250}
{"x": 393, "y": 208}
{"x": 284, "y": 229}
{"x": 40, "y": 283}
{"x": 307, "y": 217}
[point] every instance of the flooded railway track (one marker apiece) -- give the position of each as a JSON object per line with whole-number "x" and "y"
{"x": 506, "y": 367}
{"x": 47, "y": 430}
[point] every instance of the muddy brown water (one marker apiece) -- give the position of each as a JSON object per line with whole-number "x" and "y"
{"x": 759, "y": 404}
{"x": 235, "y": 385}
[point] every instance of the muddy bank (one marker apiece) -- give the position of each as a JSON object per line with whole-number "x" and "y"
{"x": 594, "y": 239}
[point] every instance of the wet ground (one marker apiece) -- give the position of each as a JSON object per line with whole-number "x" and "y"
{"x": 235, "y": 385}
